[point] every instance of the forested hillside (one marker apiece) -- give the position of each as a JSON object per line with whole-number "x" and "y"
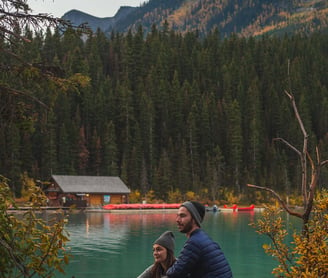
{"x": 165, "y": 111}
{"x": 246, "y": 18}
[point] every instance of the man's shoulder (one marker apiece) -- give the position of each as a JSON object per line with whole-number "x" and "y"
{"x": 199, "y": 234}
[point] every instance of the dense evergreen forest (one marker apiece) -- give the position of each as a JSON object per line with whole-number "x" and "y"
{"x": 164, "y": 111}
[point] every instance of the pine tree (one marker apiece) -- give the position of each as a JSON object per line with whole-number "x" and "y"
{"x": 109, "y": 152}
{"x": 192, "y": 144}
{"x": 235, "y": 141}
{"x": 48, "y": 160}
{"x": 13, "y": 161}
{"x": 95, "y": 161}
{"x": 63, "y": 153}
{"x": 83, "y": 152}
{"x": 253, "y": 132}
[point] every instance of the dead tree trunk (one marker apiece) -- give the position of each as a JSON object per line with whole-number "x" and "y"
{"x": 308, "y": 189}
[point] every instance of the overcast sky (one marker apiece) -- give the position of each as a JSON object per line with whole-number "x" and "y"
{"x": 99, "y": 8}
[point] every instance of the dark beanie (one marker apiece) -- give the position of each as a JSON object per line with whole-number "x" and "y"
{"x": 197, "y": 210}
{"x": 166, "y": 240}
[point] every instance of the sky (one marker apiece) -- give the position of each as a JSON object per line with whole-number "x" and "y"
{"x": 98, "y": 8}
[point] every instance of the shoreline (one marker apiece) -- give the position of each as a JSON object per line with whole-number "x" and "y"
{"x": 117, "y": 211}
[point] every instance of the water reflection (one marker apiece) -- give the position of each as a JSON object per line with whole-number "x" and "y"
{"x": 119, "y": 245}
{"x": 90, "y": 233}
{"x": 113, "y": 244}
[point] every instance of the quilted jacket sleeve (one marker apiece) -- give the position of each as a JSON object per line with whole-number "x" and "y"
{"x": 186, "y": 261}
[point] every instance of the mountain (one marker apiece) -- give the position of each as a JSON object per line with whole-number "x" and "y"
{"x": 106, "y": 23}
{"x": 244, "y": 17}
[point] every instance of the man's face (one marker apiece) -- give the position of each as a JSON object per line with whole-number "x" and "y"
{"x": 184, "y": 220}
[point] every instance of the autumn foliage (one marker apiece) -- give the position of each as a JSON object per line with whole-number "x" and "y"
{"x": 31, "y": 245}
{"x": 307, "y": 254}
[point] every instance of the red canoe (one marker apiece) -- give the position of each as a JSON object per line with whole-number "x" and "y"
{"x": 250, "y": 208}
{"x": 236, "y": 208}
{"x": 233, "y": 208}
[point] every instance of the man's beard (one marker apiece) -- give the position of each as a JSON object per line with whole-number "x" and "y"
{"x": 187, "y": 228}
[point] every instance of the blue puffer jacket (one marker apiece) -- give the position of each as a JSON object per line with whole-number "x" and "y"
{"x": 200, "y": 257}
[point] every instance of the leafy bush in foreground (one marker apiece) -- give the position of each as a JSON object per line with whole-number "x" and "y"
{"x": 30, "y": 246}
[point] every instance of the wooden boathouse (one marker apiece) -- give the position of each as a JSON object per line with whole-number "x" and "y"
{"x": 86, "y": 191}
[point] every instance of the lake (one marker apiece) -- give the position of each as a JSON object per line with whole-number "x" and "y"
{"x": 119, "y": 245}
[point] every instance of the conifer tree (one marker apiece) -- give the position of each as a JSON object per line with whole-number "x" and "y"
{"x": 109, "y": 152}
{"x": 253, "y": 131}
{"x": 13, "y": 160}
{"x": 95, "y": 161}
{"x": 162, "y": 182}
{"x": 64, "y": 154}
{"x": 192, "y": 144}
{"x": 48, "y": 160}
{"x": 235, "y": 143}
{"x": 83, "y": 152}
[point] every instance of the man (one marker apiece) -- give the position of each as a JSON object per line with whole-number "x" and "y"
{"x": 200, "y": 257}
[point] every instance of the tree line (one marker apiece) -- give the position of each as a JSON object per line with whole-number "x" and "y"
{"x": 162, "y": 110}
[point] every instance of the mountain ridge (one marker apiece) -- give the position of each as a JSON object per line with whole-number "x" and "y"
{"x": 103, "y": 23}
{"x": 246, "y": 18}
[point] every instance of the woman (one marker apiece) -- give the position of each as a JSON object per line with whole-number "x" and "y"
{"x": 163, "y": 252}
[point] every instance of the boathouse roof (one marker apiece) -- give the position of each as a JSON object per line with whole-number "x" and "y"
{"x": 90, "y": 184}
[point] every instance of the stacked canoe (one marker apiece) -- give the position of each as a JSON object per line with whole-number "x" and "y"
{"x": 141, "y": 206}
{"x": 170, "y": 206}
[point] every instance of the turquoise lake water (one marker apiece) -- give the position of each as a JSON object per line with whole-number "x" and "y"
{"x": 119, "y": 245}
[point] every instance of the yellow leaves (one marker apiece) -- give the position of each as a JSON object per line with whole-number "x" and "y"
{"x": 231, "y": 197}
{"x": 174, "y": 196}
{"x": 271, "y": 223}
{"x": 135, "y": 196}
{"x": 31, "y": 73}
{"x": 266, "y": 246}
{"x": 178, "y": 17}
{"x": 190, "y": 195}
{"x": 66, "y": 259}
{"x": 307, "y": 255}
{"x": 80, "y": 80}
{"x": 71, "y": 84}
{"x": 311, "y": 248}
{"x": 31, "y": 243}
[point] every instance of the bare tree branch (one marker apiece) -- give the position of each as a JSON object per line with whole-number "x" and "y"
{"x": 304, "y": 152}
{"x": 283, "y": 204}
{"x": 323, "y": 163}
{"x": 318, "y": 154}
{"x": 311, "y": 160}
{"x": 288, "y": 144}
{"x": 298, "y": 117}
{"x": 307, "y": 192}
{"x": 21, "y": 93}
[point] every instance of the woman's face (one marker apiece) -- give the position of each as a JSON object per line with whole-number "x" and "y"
{"x": 159, "y": 253}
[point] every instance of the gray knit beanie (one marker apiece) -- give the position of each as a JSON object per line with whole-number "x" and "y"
{"x": 166, "y": 240}
{"x": 197, "y": 210}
